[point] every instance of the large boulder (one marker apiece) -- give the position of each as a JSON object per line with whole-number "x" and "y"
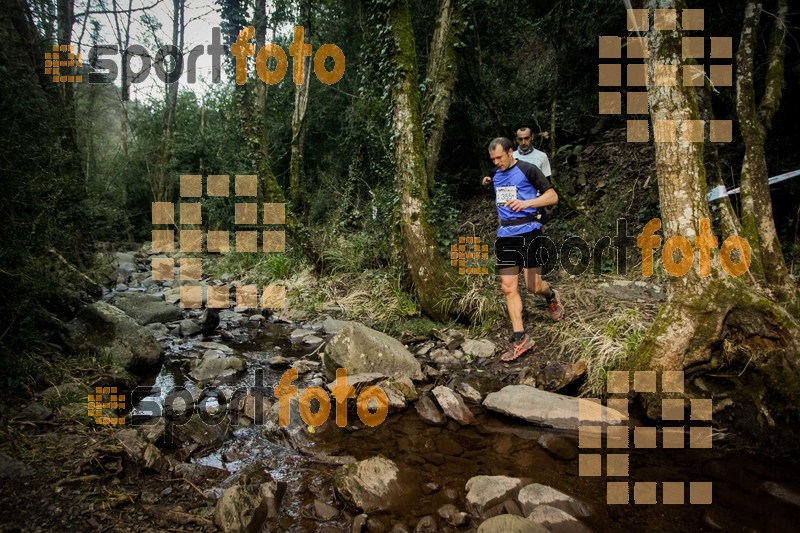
{"x": 147, "y": 308}
{"x": 104, "y": 329}
{"x": 453, "y": 406}
{"x": 556, "y": 520}
{"x": 247, "y": 505}
{"x": 359, "y": 350}
{"x": 216, "y": 365}
{"x": 368, "y": 485}
{"x": 546, "y": 408}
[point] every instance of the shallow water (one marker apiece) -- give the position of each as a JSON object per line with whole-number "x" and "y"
{"x": 436, "y": 462}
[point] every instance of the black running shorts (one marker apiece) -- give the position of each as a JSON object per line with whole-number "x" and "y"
{"x": 525, "y": 251}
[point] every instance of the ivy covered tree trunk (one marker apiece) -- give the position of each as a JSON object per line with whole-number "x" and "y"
{"x": 758, "y": 224}
{"x": 301, "y": 93}
{"x": 430, "y": 273}
{"x": 714, "y": 321}
{"x": 441, "y": 77}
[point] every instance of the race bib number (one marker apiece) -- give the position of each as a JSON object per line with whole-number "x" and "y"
{"x": 505, "y": 194}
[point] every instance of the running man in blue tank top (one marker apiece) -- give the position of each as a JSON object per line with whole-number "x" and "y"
{"x": 520, "y": 190}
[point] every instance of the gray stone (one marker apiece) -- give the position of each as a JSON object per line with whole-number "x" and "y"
{"x": 103, "y": 329}
{"x": 359, "y": 349}
{"x": 312, "y": 340}
{"x": 544, "y": 408}
{"x": 453, "y": 339}
{"x": 535, "y": 494}
{"x": 481, "y": 348}
{"x": 360, "y": 381}
{"x": 368, "y": 485}
{"x": 324, "y": 511}
{"x": 452, "y": 515}
{"x": 508, "y": 523}
{"x": 216, "y": 365}
{"x": 189, "y": 327}
{"x": 360, "y": 523}
{"x": 429, "y": 411}
{"x": 299, "y": 334}
{"x": 558, "y": 446}
{"x": 157, "y": 329}
{"x": 556, "y": 520}
{"x": 11, "y": 468}
{"x": 425, "y": 348}
{"x": 399, "y": 527}
{"x": 210, "y": 345}
{"x": 397, "y": 401}
{"x": 173, "y": 295}
{"x": 468, "y": 392}
{"x": 256, "y": 318}
{"x": 442, "y": 356}
{"x": 144, "y": 453}
{"x": 331, "y": 326}
{"x": 147, "y": 308}
{"x": 453, "y": 406}
{"x": 34, "y": 411}
{"x": 303, "y": 365}
{"x": 486, "y": 494}
{"x": 279, "y": 361}
{"x": 198, "y": 474}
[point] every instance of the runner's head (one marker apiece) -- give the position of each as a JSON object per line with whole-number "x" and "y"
{"x": 524, "y": 138}
{"x": 500, "y": 152}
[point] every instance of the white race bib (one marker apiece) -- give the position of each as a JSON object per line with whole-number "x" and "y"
{"x": 505, "y": 194}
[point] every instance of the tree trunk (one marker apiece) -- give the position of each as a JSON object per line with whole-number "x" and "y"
{"x": 714, "y": 321}
{"x": 758, "y": 224}
{"x": 430, "y": 273}
{"x": 440, "y": 79}
{"x": 301, "y": 93}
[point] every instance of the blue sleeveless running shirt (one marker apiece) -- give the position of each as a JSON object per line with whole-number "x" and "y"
{"x": 523, "y": 181}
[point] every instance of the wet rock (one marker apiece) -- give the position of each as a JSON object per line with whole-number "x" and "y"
{"x": 543, "y": 408}
{"x": 452, "y": 515}
{"x": 507, "y": 523}
{"x": 303, "y": 366}
{"x": 558, "y": 446}
{"x": 535, "y": 494}
{"x": 783, "y": 493}
{"x": 157, "y": 329}
{"x": 256, "y": 318}
{"x": 359, "y": 349}
{"x": 143, "y": 453}
{"x": 247, "y": 507}
{"x": 511, "y": 507}
{"x": 453, "y": 406}
{"x": 427, "y": 524}
{"x": 256, "y": 406}
{"x": 447, "y": 446}
{"x": 430, "y": 372}
{"x": 209, "y": 321}
{"x": 324, "y": 511}
{"x": 173, "y": 295}
{"x": 279, "y": 361}
{"x": 429, "y": 411}
{"x": 154, "y": 431}
{"x": 197, "y": 431}
{"x": 468, "y": 392}
{"x": 125, "y": 263}
{"x": 360, "y": 381}
{"x": 146, "y": 308}
{"x": 312, "y": 340}
{"x": 375, "y": 526}
{"x": 101, "y": 328}
{"x": 399, "y": 527}
{"x": 556, "y": 520}
{"x": 34, "y": 411}
{"x": 211, "y": 345}
{"x": 481, "y": 348}
{"x": 360, "y": 523}
{"x": 189, "y": 327}
{"x": 486, "y": 494}
{"x": 442, "y": 356}
{"x": 331, "y": 326}
{"x": 11, "y": 468}
{"x": 406, "y": 386}
{"x": 216, "y": 365}
{"x": 430, "y": 488}
{"x": 368, "y": 485}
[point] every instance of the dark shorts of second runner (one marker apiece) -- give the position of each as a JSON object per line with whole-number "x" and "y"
{"x": 524, "y": 251}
